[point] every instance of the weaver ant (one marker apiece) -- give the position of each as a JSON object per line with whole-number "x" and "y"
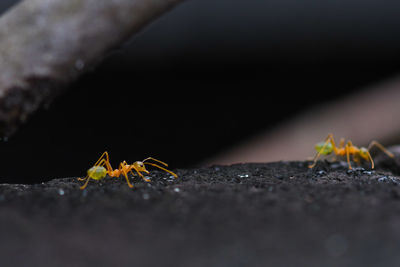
{"x": 328, "y": 146}
{"x": 102, "y": 168}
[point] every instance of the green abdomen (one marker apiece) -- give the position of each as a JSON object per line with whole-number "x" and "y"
{"x": 97, "y": 172}
{"x": 324, "y": 148}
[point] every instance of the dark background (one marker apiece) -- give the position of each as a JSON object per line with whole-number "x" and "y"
{"x": 203, "y": 77}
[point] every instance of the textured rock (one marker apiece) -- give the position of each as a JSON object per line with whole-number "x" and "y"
{"x": 279, "y": 214}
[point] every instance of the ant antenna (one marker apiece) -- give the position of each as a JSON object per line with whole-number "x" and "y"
{"x": 155, "y": 165}
{"x": 159, "y": 161}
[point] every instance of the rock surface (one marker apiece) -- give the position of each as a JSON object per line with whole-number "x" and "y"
{"x": 275, "y": 214}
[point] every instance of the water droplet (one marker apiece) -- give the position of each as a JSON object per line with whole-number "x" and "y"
{"x": 177, "y": 190}
{"x": 61, "y": 192}
{"x": 146, "y": 196}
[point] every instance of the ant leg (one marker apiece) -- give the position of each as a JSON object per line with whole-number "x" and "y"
{"x": 144, "y": 178}
{"x": 318, "y": 155}
{"x": 155, "y": 165}
{"x": 341, "y": 142}
{"x": 375, "y": 143}
{"x": 341, "y": 145}
{"x": 105, "y": 154}
{"x": 87, "y": 181}
{"x": 122, "y": 170}
{"x": 119, "y": 168}
{"x": 140, "y": 174}
{"x": 372, "y": 161}
{"x": 347, "y": 148}
{"x": 83, "y": 179}
{"x": 87, "y": 178}
{"x": 327, "y": 140}
{"x": 104, "y": 160}
{"x": 357, "y": 159}
{"x": 97, "y": 162}
{"x": 108, "y": 164}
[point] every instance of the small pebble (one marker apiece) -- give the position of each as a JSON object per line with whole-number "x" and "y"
{"x": 386, "y": 179}
{"x": 382, "y": 179}
{"x": 367, "y": 172}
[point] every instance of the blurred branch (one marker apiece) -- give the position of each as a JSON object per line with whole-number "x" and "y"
{"x": 45, "y": 44}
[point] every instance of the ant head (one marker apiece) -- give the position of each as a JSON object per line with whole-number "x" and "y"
{"x": 364, "y": 153}
{"x": 139, "y": 165}
{"x": 324, "y": 148}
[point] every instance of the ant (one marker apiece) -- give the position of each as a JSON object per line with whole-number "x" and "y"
{"x": 328, "y": 146}
{"x": 98, "y": 171}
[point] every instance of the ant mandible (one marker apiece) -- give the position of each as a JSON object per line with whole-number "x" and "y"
{"x": 98, "y": 171}
{"x": 328, "y": 146}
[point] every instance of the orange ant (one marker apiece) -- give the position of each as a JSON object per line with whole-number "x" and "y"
{"x": 328, "y": 146}
{"x": 98, "y": 171}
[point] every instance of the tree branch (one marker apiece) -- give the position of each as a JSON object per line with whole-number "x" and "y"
{"x": 46, "y": 44}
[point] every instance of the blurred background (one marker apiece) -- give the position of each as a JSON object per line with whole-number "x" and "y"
{"x": 220, "y": 82}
